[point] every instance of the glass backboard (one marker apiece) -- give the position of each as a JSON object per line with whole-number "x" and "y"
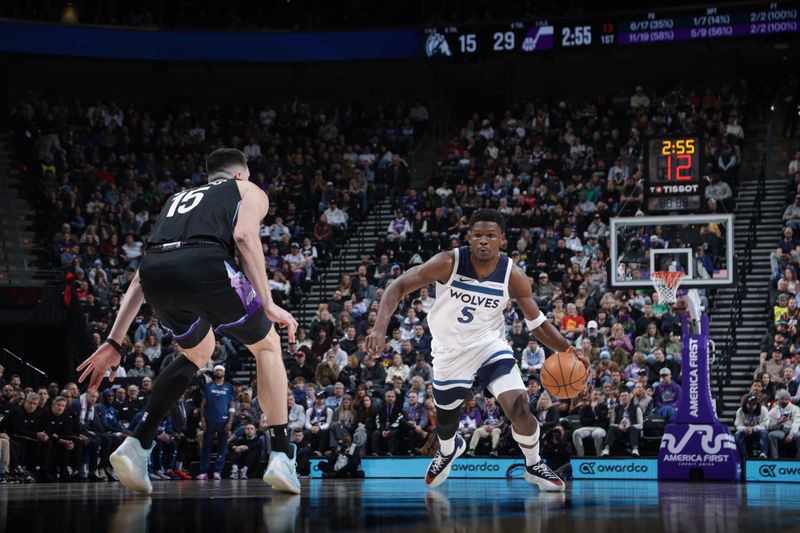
{"x": 699, "y": 245}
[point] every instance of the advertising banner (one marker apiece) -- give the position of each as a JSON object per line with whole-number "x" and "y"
{"x": 772, "y": 471}
{"x": 585, "y": 468}
{"x": 415, "y": 467}
{"x": 697, "y": 443}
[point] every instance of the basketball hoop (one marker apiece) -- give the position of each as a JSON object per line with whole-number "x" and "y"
{"x": 666, "y": 283}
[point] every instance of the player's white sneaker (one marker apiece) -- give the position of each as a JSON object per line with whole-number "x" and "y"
{"x": 541, "y": 475}
{"x": 440, "y": 465}
{"x": 282, "y": 472}
{"x": 130, "y": 462}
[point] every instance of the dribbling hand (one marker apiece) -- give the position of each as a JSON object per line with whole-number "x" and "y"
{"x": 375, "y": 342}
{"x": 283, "y": 319}
{"x": 96, "y": 365}
{"x": 580, "y": 357}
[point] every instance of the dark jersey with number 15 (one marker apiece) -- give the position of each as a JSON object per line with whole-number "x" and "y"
{"x": 203, "y": 213}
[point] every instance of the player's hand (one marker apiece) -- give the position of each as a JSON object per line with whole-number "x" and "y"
{"x": 282, "y": 318}
{"x": 581, "y": 357}
{"x": 375, "y": 342}
{"x": 105, "y": 358}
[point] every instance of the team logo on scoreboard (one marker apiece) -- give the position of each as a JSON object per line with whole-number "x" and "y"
{"x": 436, "y": 45}
{"x": 538, "y": 38}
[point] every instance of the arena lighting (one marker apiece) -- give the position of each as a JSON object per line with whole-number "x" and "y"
{"x": 69, "y": 14}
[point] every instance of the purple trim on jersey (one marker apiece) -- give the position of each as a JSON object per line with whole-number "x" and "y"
{"x": 246, "y": 293}
{"x": 239, "y": 322}
{"x": 183, "y": 335}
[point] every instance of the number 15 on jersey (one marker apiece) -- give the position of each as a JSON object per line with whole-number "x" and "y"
{"x": 186, "y": 201}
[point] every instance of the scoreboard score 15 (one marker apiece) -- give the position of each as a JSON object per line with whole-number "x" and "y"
{"x": 672, "y": 180}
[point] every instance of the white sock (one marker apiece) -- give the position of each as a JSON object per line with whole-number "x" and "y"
{"x": 179, "y": 465}
{"x": 531, "y": 454}
{"x": 447, "y": 447}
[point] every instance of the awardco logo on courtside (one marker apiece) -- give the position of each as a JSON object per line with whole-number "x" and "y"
{"x": 397, "y": 468}
{"x": 475, "y": 467}
{"x": 614, "y": 469}
{"x": 782, "y": 471}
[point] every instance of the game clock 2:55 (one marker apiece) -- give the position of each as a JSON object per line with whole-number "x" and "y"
{"x": 677, "y": 147}
{"x": 576, "y": 36}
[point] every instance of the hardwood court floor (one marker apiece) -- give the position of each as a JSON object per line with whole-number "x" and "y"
{"x": 460, "y": 505}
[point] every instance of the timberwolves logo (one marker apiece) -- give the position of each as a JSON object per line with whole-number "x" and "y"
{"x": 436, "y": 45}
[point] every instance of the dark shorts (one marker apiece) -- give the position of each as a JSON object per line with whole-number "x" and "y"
{"x": 197, "y": 288}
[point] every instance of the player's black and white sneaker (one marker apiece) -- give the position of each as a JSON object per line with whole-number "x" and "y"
{"x": 440, "y": 465}
{"x": 541, "y": 475}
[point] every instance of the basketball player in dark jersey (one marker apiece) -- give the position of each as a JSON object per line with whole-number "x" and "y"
{"x": 189, "y": 278}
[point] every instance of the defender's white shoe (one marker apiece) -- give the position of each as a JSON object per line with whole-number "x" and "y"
{"x": 130, "y": 462}
{"x": 282, "y": 472}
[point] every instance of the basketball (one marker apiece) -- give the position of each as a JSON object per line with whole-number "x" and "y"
{"x": 563, "y": 375}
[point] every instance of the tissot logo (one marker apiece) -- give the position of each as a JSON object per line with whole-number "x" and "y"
{"x": 767, "y": 470}
{"x": 672, "y": 189}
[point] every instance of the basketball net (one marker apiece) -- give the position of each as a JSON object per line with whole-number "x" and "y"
{"x": 666, "y": 283}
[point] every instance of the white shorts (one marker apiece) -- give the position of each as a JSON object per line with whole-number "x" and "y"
{"x": 456, "y": 369}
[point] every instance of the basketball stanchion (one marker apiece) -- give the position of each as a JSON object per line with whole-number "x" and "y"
{"x": 697, "y": 445}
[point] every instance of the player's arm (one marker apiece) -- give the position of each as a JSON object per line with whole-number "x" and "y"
{"x": 107, "y": 356}
{"x": 519, "y": 287}
{"x": 253, "y": 208}
{"x": 437, "y": 268}
{"x": 128, "y": 309}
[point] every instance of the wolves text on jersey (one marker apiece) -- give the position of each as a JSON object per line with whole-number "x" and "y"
{"x": 473, "y": 299}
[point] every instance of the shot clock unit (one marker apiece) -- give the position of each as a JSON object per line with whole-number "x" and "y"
{"x": 672, "y": 182}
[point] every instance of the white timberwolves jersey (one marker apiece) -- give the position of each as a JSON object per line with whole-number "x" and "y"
{"x": 469, "y": 309}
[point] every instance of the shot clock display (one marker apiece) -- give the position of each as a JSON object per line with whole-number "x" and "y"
{"x": 672, "y": 181}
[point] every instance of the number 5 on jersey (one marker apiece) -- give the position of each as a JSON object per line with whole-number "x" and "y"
{"x": 186, "y": 201}
{"x": 466, "y": 314}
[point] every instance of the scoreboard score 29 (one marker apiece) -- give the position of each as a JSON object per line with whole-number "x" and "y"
{"x": 672, "y": 178}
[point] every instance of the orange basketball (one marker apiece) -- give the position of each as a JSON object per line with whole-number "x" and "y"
{"x": 563, "y": 375}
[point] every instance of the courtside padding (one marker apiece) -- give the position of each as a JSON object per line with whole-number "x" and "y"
{"x": 782, "y": 471}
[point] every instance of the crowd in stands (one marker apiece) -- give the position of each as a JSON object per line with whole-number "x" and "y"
{"x": 557, "y": 169}
{"x": 100, "y": 173}
{"x": 768, "y": 421}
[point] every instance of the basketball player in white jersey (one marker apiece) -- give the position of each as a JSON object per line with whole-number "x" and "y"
{"x": 473, "y": 285}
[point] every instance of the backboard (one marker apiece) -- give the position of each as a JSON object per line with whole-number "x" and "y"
{"x": 700, "y": 245}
